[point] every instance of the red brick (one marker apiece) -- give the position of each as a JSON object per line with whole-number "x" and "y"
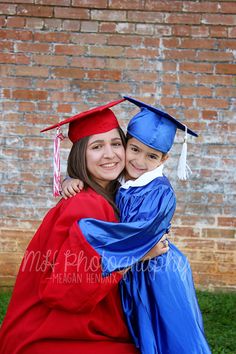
{"x": 197, "y": 43}
{"x": 168, "y": 6}
{"x": 171, "y": 42}
{"x": 32, "y": 71}
{"x": 85, "y": 62}
{"x": 225, "y": 92}
{"x": 14, "y": 58}
{"x": 212, "y": 103}
{"x": 120, "y": 4}
{"x": 108, "y": 27}
{"x": 108, "y": 15}
{"x": 69, "y": 49}
{"x": 169, "y": 66}
{"x": 225, "y": 44}
{"x": 53, "y": 2}
{"x": 71, "y": 25}
{"x": 124, "y": 40}
{"x": 180, "y": 54}
{"x": 34, "y": 11}
{"x": 232, "y": 32}
{"x": 53, "y": 84}
{"x": 183, "y": 18}
{"x": 32, "y": 47}
{"x": 161, "y": 31}
{"x": 35, "y": 23}
{"x": 51, "y": 60}
{"x": 215, "y": 79}
{"x": 218, "y": 31}
{"x": 176, "y": 102}
{"x": 226, "y": 68}
{"x": 90, "y": 3}
{"x": 3, "y": 21}
{"x": 227, "y": 7}
{"x": 15, "y": 82}
{"x": 104, "y": 74}
{"x": 219, "y": 19}
{"x": 73, "y": 13}
{"x": 16, "y": 35}
{"x": 214, "y": 56}
{"x": 226, "y": 245}
{"x": 88, "y": 38}
{"x": 29, "y": 94}
{"x": 209, "y": 115}
{"x": 7, "y": 9}
{"x": 52, "y": 37}
{"x": 42, "y": 106}
{"x": 226, "y": 221}
{"x": 64, "y": 108}
{"x": 107, "y": 51}
{"x": 151, "y": 42}
{"x": 145, "y": 17}
{"x": 141, "y": 53}
{"x": 196, "y": 67}
{"x": 52, "y": 24}
{"x": 182, "y": 31}
{"x": 207, "y": 6}
{"x": 117, "y": 87}
{"x": 15, "y": 22}
{"x": 26, "y": 106}
{"x": 89, "y": 26}
{"x": 195, "y": 91}
{"x": 200, "y": 31}
{"x": 114, "y": 63}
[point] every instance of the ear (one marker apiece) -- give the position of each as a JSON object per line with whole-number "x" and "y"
{"x": 164, "y": 158}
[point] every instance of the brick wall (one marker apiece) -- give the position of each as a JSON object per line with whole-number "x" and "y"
{"x": 59, "y": 57}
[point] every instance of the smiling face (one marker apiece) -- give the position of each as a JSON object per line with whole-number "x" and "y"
{"x": 105, "y": 157}
{"x": 140, "y": 159}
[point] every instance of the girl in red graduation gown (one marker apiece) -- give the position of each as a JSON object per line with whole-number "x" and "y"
{"x": 61, "y": 303}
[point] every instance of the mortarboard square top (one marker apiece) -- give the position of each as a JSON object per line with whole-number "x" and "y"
{"x": 94, "y": 121}
{"x": 154, "y": 127}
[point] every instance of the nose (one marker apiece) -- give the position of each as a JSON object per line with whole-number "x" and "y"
{"x": 108, "y": 152}
{"x": 140, "y": 161}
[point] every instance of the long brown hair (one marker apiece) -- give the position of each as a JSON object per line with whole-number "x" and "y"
{"x": 77, "y": 168}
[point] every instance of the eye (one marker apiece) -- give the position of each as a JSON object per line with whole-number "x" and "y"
{"x": 134, "y": 149}
{"x": 117, "y": 144}
{"x": 153, "y": 157}
{"x": 97, "y": 147}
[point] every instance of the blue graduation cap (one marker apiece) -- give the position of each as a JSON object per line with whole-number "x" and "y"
{"x": 157, "y": 129}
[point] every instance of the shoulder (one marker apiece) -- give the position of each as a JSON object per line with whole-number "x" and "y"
{"x": 158, "y": 185}
{"x": 84, "y": 204}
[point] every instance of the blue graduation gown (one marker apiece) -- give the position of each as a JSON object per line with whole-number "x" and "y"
{"x": 158, "y": 296}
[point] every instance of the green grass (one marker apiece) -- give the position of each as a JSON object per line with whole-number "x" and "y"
{"x": 219, "y": 314}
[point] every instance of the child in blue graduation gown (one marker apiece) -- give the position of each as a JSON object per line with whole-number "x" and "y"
{"x": 158, "y": 295}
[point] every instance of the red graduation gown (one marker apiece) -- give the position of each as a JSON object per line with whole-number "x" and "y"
{"x": 60, "y": 303}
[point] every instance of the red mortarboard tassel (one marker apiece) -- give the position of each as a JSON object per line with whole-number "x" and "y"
{"x": 56, "y": 164}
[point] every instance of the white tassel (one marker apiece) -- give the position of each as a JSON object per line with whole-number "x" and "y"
{"x": 184, "y": 170}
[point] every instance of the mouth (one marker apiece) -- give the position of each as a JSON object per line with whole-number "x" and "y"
{"x": 109, "y": 166}
{"x": 138, "y": 170}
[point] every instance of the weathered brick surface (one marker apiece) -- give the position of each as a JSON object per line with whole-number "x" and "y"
{"x": 60, "y": 57}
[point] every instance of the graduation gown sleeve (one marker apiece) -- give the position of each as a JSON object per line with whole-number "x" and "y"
{"x": 123, "y": 244}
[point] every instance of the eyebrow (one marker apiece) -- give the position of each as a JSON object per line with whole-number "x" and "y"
{"x": 150, "y": 153}
{"x": 101, "y": 141}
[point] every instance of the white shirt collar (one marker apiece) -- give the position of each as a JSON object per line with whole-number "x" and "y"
{"x": 144, "y": 179}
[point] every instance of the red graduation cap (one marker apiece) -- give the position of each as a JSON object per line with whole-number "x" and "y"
{"x": 94, "y": 121}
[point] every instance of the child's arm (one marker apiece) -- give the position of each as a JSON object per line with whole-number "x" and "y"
{"x": 71, "y": 186}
